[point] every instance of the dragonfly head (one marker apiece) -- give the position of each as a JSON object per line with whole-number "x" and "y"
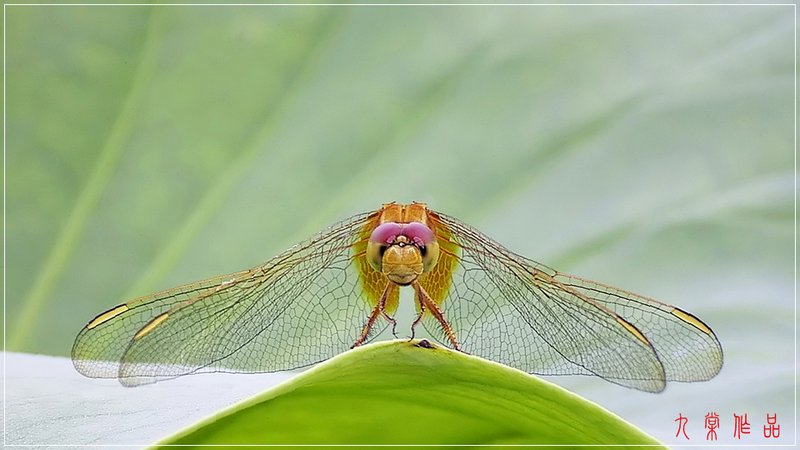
{"x": 402, "y": 252}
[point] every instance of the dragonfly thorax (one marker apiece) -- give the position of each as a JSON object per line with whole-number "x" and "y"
{"x": 402, "y": 252}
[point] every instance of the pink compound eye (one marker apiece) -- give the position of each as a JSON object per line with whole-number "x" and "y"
{"x": 385, "y": 233}
{"x": 419, "y": 233}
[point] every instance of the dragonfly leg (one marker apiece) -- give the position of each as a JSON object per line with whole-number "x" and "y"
{"x": 425, "y": 300}
{"x": 382, "y": 304}
{"x": 392, "y": 321}
{"x": 373, "y": 316}
{"x": 418, "y": 319}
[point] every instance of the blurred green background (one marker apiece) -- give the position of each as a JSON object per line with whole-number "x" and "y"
{"x": 648, "y": 147}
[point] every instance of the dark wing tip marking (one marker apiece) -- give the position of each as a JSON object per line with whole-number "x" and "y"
{"x": 630, "y": 328}
{"x": 150, "y": 326}
{"x": 691, "y": 320}
{"x": 106, "y": 316}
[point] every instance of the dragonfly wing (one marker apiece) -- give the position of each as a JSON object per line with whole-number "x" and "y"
{"x": 687, "y": 347}
{"x": 101, "y": 344}
{"x": 503, "y": 309}
{"x": 303, "y": 306}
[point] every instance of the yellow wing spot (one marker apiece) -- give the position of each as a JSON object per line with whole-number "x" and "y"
{"x": 632, "y": 330}
{"x": 692, "y": 320}
{"x": 150, "y": 326}
{"x": 106, "y": 316}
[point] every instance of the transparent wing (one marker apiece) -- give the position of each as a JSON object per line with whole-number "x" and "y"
{"x": 686, "y": 346}
{"x": 303, "y": 306}
{"x": 509, "y": 309}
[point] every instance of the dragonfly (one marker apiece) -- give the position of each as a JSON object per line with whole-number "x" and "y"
{"x": 340, "y": 289}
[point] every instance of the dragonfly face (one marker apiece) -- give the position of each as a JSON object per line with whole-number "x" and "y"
{"x": 402, "y": 252}
{"x": 340, "y": 288}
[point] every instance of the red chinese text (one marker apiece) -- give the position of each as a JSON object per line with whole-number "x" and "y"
{"x": 711, "y": 424}
{"x": 740, "y": 425}
{"x": 682, "y": 421}
{"x": 772, "y": 430}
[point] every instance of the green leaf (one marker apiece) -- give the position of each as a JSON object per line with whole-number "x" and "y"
{"x": 405, "y": 392}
